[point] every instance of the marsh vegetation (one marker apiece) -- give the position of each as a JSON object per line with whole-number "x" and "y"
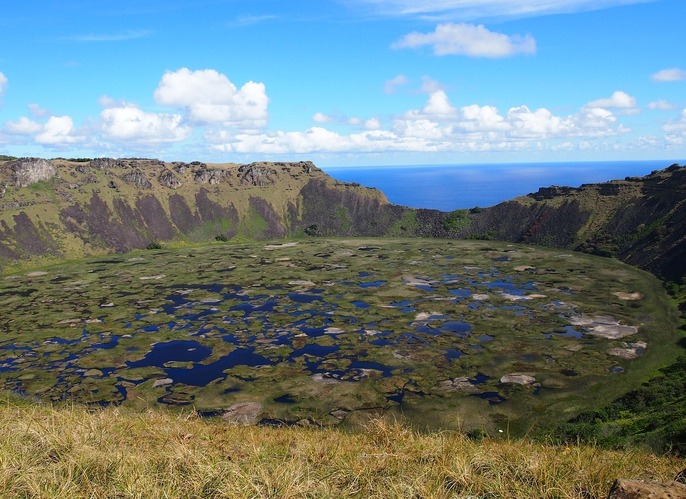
{"x": 478, "y": 336}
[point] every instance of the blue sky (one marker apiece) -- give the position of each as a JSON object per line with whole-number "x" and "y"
{"x": 344, "y": 82}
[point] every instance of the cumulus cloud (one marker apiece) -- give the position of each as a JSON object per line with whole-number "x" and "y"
{"x": 470, "y": 40}
{"x": 441, "y": 126}
{"x": 438, "y": 107}
{"x": 661, "y": 105}
{"x": 672, "y": 74}
{"x": 23, "y": 126}
{"x": 209, "y": 97}
{"x": 3, "y": 82}
{"x": 321, "y": 140}
{"x": 482, "y": 118}
{"x": 56, "y": 131}
{"x": 128, "y": 123}
{"x": 620, "y": 102}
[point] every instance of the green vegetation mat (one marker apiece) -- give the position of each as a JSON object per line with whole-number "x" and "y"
{"x": 479, "y": 336}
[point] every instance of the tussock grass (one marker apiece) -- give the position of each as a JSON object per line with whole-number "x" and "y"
{"x": 115, "y": 452}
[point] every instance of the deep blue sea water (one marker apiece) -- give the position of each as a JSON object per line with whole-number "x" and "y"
{"x": 452, "y": 187}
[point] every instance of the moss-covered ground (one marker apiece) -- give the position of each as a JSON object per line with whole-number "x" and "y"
{"x": 448, "y": 334}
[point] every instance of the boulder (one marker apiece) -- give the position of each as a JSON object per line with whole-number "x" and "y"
{"x": 168, "y": 179}
{"x": 245, "y": 413}
{"x": 638, "y": 489}
{"x": 518, "y": 379}
{"x": 162, "y": 382}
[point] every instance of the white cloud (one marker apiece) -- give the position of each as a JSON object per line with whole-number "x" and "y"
{"x": 391, "y": 85}
{"x": 440, "y": 126}
{"x": 672, "y": 74}
{"x": 618, "y": 100}
{"x": 675, "y": 131}
{"x": 23, "y": 126}
{"x": 56, "y": 131}
{"x": 372, "y": 124}
{"x": 596, "y": 119}
{"x": 209, "y": 97}
{"x": 469, "y": 40}
{"x": 438, "y": 107}
{"x": 661, "y": 105}
{"x": 320, "y": 140}
{"x": 482, "y": 118}
{"x": 481, "y": 9}
{"x": 3, "y": 82}
{"x": 128, "y": 123}
{"x": 538, "y": 124}
{"x": 322, "y": 118}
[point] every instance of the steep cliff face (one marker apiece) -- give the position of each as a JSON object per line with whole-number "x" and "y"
{"x": 640, "y": 220}
{"x": 68, "y": 209}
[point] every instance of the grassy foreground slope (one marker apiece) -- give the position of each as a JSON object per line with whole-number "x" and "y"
{"x": 70, "y": 452}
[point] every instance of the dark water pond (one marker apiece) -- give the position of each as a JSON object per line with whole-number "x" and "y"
{"x": 176, "y": 350}
{"x": 201, "y": 374}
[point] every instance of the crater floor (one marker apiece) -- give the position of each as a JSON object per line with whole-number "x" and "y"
{"x": 450, "y": 333}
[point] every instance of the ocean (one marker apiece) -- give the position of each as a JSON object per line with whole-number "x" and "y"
{"x": 452, "y": 187}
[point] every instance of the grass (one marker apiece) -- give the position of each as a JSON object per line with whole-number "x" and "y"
{"x": 51, "y": 451}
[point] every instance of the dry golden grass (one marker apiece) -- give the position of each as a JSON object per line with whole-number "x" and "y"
{"x": 71, "y": 452}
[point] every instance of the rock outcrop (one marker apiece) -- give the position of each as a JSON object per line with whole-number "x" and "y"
{"x": 256, "y": 175}
{"x": 211, "y": 176}
{"x": 169, "y": 180}
{"x": 639, "y": 489}
{"x": 117, "y": 205}
{"x": 138, "y": 179}
{"x": 105, "y": 163}
{"x": 27, "y": 171}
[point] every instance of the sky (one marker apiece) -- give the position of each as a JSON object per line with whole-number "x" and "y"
{"x": 344, "y": 82}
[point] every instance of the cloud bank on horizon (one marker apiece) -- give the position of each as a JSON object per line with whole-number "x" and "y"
{"x": 348, "y": 82}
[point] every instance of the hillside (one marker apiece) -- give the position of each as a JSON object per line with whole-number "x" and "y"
{"x": 60, "y": 208}
{"x": 639, "y": 220}
{"x": 70, "y": 208}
